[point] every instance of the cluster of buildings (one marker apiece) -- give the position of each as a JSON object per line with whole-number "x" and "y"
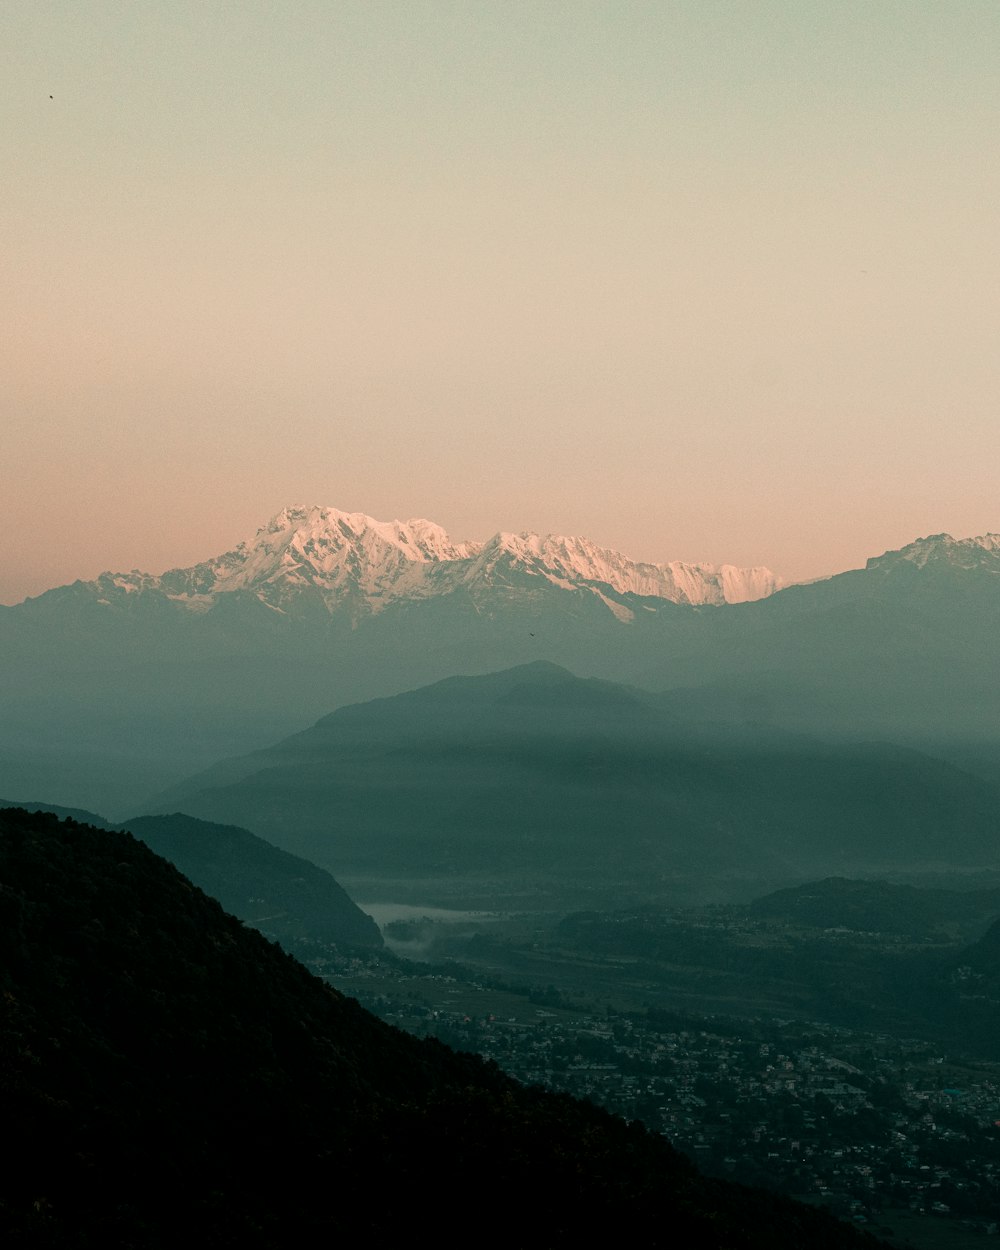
{"x": 864, "y": 1123}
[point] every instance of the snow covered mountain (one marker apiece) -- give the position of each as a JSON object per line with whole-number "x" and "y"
{"x": 936, "y": 550}
{"x": 349, "y": 561}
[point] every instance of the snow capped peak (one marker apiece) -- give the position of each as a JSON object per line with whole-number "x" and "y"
{"x": 418, "y": 539}
{"x": 571, "y": 561}
{"x": 981, "y": 552}
{"x": 331, "y": 556}
{"x": 310, "y": 558}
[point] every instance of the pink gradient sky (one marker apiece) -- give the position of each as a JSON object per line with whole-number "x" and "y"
{"x": 698, "y": 280}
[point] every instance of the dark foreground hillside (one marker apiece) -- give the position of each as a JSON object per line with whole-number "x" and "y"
{"x": 286, "y": 897}
{"x": 283, "y": 895}
{"x": 167, "y": 1074}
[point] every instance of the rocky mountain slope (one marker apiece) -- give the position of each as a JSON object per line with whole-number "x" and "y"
{"x": 942, "y": 550}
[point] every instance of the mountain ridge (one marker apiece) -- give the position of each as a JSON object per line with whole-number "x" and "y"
{"x": 979, "y": 552}
{"x": 349, "y": 559}
{"x": 285, "y": 896}
{"x": 535, "y": 780}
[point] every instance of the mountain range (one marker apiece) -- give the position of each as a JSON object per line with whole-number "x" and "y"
{"x": 311, "y": 557}
{"x": 114, "y": 689}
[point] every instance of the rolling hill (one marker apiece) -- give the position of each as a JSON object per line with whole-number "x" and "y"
{"x": 533, "y": 782}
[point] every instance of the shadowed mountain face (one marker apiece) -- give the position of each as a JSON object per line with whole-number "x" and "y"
{"x": 170, "y": 1076}
{"x": 284, "y": 896}
{"x": 901, "y": 649}
{"x": 535, "y": 780}
{"x": 112, "y": 689}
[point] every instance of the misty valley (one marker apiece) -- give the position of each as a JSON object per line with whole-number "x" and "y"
{"x": 683, "y": 888}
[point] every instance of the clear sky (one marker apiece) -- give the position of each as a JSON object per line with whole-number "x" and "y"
{"x": 700, "y": 280}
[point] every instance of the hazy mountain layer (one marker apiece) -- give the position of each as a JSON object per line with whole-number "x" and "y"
{"x": 170, "y": 1076}
{"x": 110, "y": 691}
{"x": 538, "y": 781}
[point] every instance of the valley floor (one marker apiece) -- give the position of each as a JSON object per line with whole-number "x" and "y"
{"x": 896, "y": 1135}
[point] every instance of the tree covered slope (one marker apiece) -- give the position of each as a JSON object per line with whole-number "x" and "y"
{"x": 168, "y": 1075}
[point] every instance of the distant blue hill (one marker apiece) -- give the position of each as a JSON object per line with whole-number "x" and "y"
{"x": 535, "y": 780}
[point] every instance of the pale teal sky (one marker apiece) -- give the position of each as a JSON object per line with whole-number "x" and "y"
{"x": 704, "y": 281}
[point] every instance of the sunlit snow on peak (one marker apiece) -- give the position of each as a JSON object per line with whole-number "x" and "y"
{"x": 348, "y": 561}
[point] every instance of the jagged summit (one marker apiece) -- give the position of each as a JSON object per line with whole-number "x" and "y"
{"x": 337, "y": 556}
{"x": 573, "y": 560}
{"x": 981, "y": 552}
{"x": 418, "y": 538}
{"x": 351, "y": 561}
